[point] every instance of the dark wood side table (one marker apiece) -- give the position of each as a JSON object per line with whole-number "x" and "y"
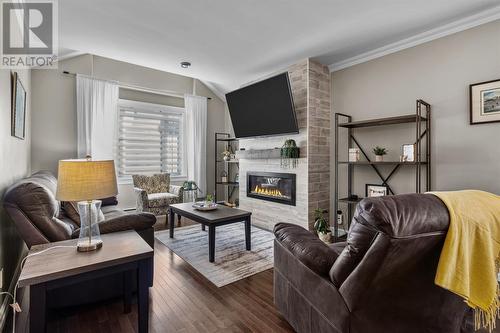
{"x": 221, "y": 216}
{"x": 122, "y": 252}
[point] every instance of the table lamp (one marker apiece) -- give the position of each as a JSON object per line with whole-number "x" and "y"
{"x": 84, "y": 181}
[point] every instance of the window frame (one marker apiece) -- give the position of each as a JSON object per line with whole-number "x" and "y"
{"x": 154, "y": 108}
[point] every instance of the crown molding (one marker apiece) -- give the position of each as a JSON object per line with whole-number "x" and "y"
{"x": 430, "y": 35}
{"x": 215, "y": 90}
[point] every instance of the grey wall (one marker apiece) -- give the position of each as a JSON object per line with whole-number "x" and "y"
{"x": 54, "y": 111}
{"x": 15, "y": 164}
{"x": 439, "y": 72}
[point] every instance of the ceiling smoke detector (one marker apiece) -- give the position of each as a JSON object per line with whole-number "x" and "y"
{"x": 185, "y": 64}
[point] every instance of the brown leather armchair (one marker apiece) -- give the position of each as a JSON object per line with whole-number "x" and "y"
{"x": 31, "y": 204}
{"x": 380, "y": 280}
{"x": 39, "y": 219}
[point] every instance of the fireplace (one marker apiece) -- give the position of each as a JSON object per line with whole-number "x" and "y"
{"x": 272, "y": 186}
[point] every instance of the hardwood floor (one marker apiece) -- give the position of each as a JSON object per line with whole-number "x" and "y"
{"x": 182, "y": 300}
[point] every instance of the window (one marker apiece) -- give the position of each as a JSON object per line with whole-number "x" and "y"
{"x": 150, "y": 139}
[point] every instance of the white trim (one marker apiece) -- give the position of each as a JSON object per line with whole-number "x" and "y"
{"x": 214, "y": 89}
{"x": 70, "y": 55}
{"x": 430, "y": 35}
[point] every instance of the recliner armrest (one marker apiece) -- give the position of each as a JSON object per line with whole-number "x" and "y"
{"x": 306, "y": 247}
{"x": 135, "y": 221}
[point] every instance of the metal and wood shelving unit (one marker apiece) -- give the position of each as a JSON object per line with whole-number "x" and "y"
{"x": 422, "y": 121}
{"x": 231, "y": 167}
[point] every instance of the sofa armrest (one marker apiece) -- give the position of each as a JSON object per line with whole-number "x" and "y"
{"x": 141, "y": 198}
{"x": 306, "y": 247}
{"x": 135, "y": 221}
{"x": 176, "y": 190}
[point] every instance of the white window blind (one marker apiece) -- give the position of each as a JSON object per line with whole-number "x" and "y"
{"x": 150, "y": 139}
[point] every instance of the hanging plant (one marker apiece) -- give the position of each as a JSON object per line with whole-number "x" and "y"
{"x": 289, "y": 154}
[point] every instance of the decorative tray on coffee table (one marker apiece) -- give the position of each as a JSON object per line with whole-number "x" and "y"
{"x": 204, "y": 206}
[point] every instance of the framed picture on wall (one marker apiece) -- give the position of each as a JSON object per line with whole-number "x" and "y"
{"x": 373, "y": 190}
{"x": 485, "y": 102}
{"x": 18, "y": 114}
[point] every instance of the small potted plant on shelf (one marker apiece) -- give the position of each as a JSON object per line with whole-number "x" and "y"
{"x": 289, "y": 154}
{"x": 322, "y": 226}
{"x": 379, "y": 153}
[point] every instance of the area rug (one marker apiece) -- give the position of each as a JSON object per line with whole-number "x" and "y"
{"x": 232, "y": 261}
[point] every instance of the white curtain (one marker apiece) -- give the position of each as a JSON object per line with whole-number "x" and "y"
{"x": 196, "y": 139}
{"x": 97, "y": 112}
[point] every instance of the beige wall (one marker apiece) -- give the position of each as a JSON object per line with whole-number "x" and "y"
{"x": 15, "y": 164}
{"x": 439, "y": 72}
{"x": 54, "y": 112}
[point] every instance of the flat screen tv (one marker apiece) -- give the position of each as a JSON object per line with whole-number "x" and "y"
{"x": 262, "y": 109}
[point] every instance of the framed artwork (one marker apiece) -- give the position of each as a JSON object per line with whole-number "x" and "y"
{"x": 18, "y": 115}
{"x": 485, "y": 102}
{"x": 408, "y": 153}
{"x": 373, "y": 190}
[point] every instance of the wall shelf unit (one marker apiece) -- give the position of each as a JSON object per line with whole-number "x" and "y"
{"x": 422, "y": 120}
{"x": 229, "y": 188}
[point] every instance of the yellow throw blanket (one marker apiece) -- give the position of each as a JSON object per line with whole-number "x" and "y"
{"x": 469, "y": 260}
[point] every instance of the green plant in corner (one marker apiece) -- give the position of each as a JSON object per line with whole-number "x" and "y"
{"x": 321, "y": 225}
{"x": 289, "y": 154}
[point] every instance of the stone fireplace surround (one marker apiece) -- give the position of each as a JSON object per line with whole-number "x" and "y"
{"x": 310, "y": 84}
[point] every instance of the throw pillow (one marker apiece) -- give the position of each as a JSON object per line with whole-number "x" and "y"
{"x": 71, "y": 210}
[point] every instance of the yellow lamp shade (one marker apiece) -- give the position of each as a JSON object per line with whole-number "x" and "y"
{"x": 84, "y": 180}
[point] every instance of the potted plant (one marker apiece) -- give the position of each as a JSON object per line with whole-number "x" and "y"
{"x": 289, "y": 153}
{"x": 379, "y": 153}
{"x": 322, "y": 226}
{"x": 209, "y": 199}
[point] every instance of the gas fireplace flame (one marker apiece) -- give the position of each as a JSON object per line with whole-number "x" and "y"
{"x": 274, "y": 192}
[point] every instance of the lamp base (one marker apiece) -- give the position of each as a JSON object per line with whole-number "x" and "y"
{"x": 90, "y": 238}
{"x": 86, "y": 246}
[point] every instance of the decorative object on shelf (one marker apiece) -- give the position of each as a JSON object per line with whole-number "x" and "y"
{"x": 485, "y": 102}
{"x": 190, "y": 191}
{"x": 408, "y": 153}
{"x": 340, "y": 217}
{"x": 84, "y": 181}
{"x": 354, "y": 154}
{"x": 289, "y": 154}
{"x": 223, "y": 176}
{"x": 379, "y": 153}
{"x": 322, "y": 226}
{"x": 237, "y": 178}
{"x": 373, "y": 190}
{"x": 18, "y": 115}
{"x": 226, "y": 155}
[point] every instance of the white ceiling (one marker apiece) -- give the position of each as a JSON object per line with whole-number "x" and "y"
{"x": 231, "y": 42}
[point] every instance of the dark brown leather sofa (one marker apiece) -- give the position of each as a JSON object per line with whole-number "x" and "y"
{"x": 380, "y": 280}
{"x": 39, "y": 219}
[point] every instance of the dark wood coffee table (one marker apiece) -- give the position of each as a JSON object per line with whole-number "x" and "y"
{"x": 221, "y": 216}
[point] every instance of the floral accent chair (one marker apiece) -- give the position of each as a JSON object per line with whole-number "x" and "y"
{"x": 154, "y": 194}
